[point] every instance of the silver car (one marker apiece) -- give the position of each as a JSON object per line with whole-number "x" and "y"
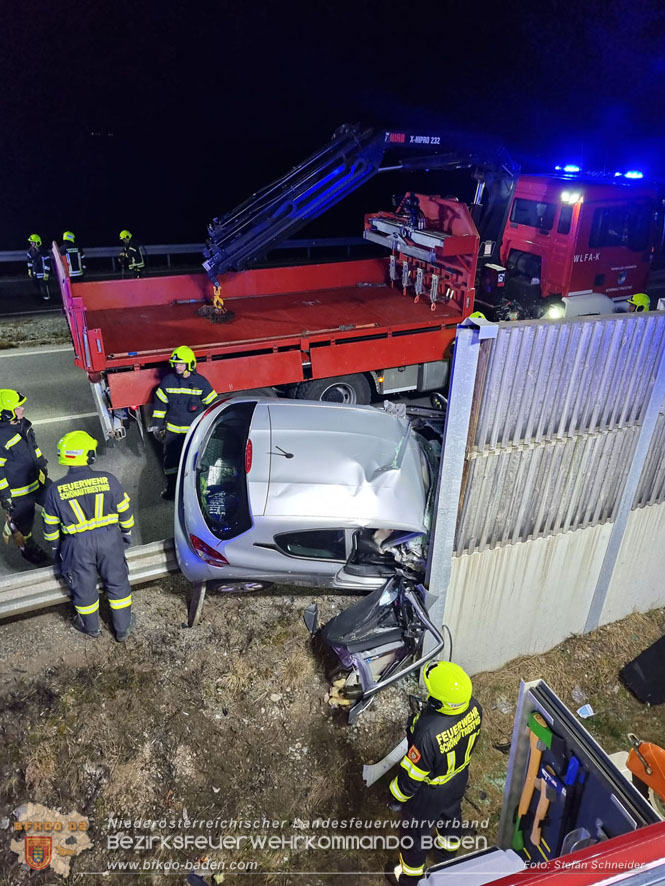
{"x": 302, "y": 493}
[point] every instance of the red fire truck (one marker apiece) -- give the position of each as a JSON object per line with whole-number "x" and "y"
{"x": 347, "y": 331}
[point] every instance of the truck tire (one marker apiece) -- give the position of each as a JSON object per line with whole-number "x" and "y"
{"x": 347, "y": 389}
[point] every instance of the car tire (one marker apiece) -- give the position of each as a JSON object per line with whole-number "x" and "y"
{"x": 242, "y": 587}
{"x": 347, "y": 389}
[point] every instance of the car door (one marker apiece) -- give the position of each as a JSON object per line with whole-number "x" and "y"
{"x": 312, "y": 557}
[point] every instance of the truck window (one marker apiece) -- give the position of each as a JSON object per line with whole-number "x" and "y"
{"x": 318, "y": 544}
{"x": 533, "y": 213}
{"x": 220, "y": 473}
{"x": 626, "y": 225}
{"x": 565, "y": 219}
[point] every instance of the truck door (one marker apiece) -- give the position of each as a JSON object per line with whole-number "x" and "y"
{"x": 563, "y": 795}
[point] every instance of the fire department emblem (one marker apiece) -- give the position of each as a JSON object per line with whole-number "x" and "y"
{"x": 38, "y": 852}
{"x": 414, "y": 754}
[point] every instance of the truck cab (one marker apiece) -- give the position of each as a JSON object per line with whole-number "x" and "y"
{"x": 568, "y": 234}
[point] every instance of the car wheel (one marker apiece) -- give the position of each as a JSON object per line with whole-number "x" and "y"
{"x": 242, "y": 587}
{"x": 346, "y": 389}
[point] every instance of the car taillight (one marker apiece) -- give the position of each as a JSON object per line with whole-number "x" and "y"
{"x": 205, "y": 552}
{"x": 248, "y": 456}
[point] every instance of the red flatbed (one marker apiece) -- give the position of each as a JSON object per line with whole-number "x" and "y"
{"x": 289, "y": 324}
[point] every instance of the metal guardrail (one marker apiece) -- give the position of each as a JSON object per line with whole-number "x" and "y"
{"x": 169, "y": 249}
{"x": 40, "y": 588}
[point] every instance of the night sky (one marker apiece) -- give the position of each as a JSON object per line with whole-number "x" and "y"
{"x": 157, "y": 117}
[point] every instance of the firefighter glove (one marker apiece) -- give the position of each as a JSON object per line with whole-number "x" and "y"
{"x": 127, "y": 538}
{"x": 6, "y": 504}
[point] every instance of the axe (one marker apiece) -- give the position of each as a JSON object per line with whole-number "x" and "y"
{"x": 540, "y": 737}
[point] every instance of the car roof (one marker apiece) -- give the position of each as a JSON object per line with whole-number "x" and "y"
{"x": 327, "y": 460}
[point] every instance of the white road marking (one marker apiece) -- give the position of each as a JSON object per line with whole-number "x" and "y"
{"x": 34, "y": 352}
{"x": 49, "y": 421}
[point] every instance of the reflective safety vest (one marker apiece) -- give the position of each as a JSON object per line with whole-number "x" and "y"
{"x": 75, "y": 260}
{"x": 84, "y": 500}
{"x": 440, "y": 747}
{"x": 20, "y": 459}
{"x": 178, "y": 400}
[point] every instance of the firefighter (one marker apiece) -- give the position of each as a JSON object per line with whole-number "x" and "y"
{"x": 132, "y": 257}
{"x": 181, "y": 396}
{"x": 434, "y": 771}
{"x": 39, "y": 265}
{"x": 73, "y": 254}
{"x": 23, "y": 475}
{"x": 88, "y": 521}
{"x": 639, "y": 302}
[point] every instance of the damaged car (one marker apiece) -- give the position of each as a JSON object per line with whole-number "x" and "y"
{"x": 306, "y": 493}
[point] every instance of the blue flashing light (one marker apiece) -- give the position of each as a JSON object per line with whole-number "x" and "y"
{"x": 570, "y": 167}
{"x": 558, "y": 168}
{"x": 618, "y": 174}
{"x": 634, "y": 173}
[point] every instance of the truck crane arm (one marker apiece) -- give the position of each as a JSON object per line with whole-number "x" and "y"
{"x": 351, "y": 158}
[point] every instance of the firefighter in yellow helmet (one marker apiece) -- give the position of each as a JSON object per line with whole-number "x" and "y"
{"x": 434, "y": 771}
{"x": 639, "y": 302}
{"x": 39, "y": 265}
{"x": 88, "y": 521}
{"x": 132, "y": 257}
{"x": 181, "y": 396}
{"x": 23, "y": 475}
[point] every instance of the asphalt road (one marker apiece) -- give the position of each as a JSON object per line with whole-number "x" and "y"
{"x": 58, "y": 401}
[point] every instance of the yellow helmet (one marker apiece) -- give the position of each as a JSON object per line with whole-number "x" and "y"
{"x": 77, "y": 448}
{"x": 68, "y": 235}
{"x": 9, "y": 400}
{"x": 477, "y": 315}
{"x": 641, "y": 301}
{"x": 185, "y": 355}
{"x": 36, "y": 239}
{"x": 125, "y": 234}
{"x": 448, "y": 684}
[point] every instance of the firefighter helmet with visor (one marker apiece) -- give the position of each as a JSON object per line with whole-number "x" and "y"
{"x": 9, "y": 400}
{"x": 449, "y": 685}
{"x": 185, "y": 355}
{"x": 77, "y": 448}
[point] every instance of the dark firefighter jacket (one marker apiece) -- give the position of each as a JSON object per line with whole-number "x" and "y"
{"x": 83, "y": 500}
{"x": 440, "y": 747}
{"x": 134, "y": 257}
{"x": 178, "y": 400}
{"x": 20, "y": 459}
{"x": 39, "y": 261}
{"x": 75, "y": 259}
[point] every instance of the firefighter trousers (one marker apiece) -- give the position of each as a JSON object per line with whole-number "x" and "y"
{"x": 435, "y": 811}
{"x": 173, "y": 444}
{"x": 84, "y": 556}
{"x": 23, "y": 509}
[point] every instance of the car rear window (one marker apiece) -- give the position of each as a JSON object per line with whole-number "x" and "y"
{"x": 220, "y": 473}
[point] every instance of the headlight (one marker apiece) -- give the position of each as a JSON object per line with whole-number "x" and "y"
{"x": 555, "y": 312}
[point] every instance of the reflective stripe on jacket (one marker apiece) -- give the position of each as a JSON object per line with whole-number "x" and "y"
{"x": 20, "y": 459}
{"x": 84, "y": 500}
{"x": 75, "y": 260}
{"x": 178, "y": 400}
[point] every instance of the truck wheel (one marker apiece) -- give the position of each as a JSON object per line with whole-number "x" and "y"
{"x": 347, "y": 389}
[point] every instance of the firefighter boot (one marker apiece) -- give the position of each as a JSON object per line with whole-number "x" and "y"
{"x": 168, "y": 493}
{"x": 34, "y": 554}
{"x": 79, "y": 625}
{"x": 121, "y": 636}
